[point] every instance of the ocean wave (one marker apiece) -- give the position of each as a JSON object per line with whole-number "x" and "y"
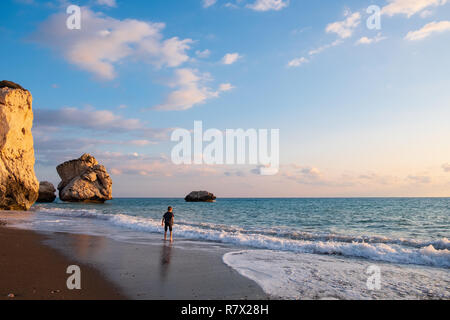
{"x": 403, "y": 251}
{"x": 307, "y": 276}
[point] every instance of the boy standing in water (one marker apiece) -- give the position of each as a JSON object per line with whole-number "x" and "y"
{"x": 167, "y": 222}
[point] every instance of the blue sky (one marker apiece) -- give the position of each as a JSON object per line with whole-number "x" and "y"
{"x": 361, "y": 112}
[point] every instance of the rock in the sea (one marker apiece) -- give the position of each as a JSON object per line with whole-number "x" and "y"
{"x": 18, "y": 184}
{"x": 200, "y": 196}
{"x": 46, "y": 192}
{"x": 84, "y": 180}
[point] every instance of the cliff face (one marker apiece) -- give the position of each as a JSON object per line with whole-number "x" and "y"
{"x": 84, "y": 180}
{"x": 18, "y": 184}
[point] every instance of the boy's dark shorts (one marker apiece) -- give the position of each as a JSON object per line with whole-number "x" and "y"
{"x": 168, "y": 226}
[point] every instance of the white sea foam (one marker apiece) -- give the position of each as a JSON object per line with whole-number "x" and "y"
{"x": 290, "y": 275}
{"x": 374, "y": 248}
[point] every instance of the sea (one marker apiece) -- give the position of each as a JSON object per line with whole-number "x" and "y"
{"x": 355, "y": 248}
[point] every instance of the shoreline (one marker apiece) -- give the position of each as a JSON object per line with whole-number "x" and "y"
{"x": 114, "y": 269}
{"x": 142, "y": 266}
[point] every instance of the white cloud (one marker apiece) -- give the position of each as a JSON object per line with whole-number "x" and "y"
{"x": 208, "y": 3}
{"x": 231, "y": 58}
{"x": 420, "y": 179}
{"x": 108, "y": 3}
{"x": 191, "y": 90}
{"x": 226, "y": 87}
{"x": 266, "y": 5}
{"x": 301, "y": 61}
{"x": 231, "y": 5}
{"x": 344, "y": 29}
{"x": 303, "y": 174}
{"x": 297, "y": 62}
{"x": 409, "y": 7}
{"x": 427, "y": 30}
{"x": 366, "y": 40}
{"x": 103, "y": 42}
{"x": 446, "y": 167}
{"x": 203, "y": 54}
{"x": 426, "y": 13}
{"x": 324, "y": 47}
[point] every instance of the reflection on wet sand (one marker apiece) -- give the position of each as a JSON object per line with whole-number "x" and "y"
{"x": 166, "y": 254}
{"x": 86, "y": 245}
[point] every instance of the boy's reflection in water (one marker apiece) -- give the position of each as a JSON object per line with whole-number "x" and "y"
{"x": 166, "y": 253}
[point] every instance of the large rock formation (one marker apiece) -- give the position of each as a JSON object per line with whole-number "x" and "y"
{"x": 84, "y": 180}
{"x": 46, "y": 192}
{"x": 200, "y": 196}
{"x": 18, "y": 184}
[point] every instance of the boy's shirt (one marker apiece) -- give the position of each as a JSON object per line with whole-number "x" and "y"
{"x": 168, "y": 217}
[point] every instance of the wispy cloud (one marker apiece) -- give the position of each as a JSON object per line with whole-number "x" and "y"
{"x": 420, "y": 179}
{"x": 297, "y": 62}
{"x": 203, "y": 54}
{"x": 108, "y": 3}
{"x": 96, "y": 121}
{"x": 344, "y": 29}
{"x": 324, "y": 47}
{"x": 208, "y": 3}
{"x": 365, "y": 40}
{"x": 303, "y": 60}
{"x": 446, "y": 167}
{"x": 427, "y": 30}
{"x": 267, "y": 5}
{"x": 87, "y": 118}
{"x": 191, "y": 89}
{"x": 409, "y": 7}
{"x": 231, "y": 58}
{"x": 226, "y": 87}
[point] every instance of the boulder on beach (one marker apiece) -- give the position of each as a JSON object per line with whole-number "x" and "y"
{"x": 200, "y": 196}
{"x": 46, "y": 192}
{"x": 19, "y": 186}
{"x": 84, "y": 180}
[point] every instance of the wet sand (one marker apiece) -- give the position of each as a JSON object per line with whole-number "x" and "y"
{"x": 33, "y": 266}
{"x": 32, "y": 271}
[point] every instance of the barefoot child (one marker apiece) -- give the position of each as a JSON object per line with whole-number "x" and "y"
{"x": 167, "y": 222}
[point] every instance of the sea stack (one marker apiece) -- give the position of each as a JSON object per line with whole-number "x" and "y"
{"x": 84, "y": 180}
{"x": 46, "y": 192}
{"x": 200, "y": 196}
{"x": 19, "y": 186}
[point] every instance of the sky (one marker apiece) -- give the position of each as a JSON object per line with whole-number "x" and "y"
{"x": 362, "y": 111}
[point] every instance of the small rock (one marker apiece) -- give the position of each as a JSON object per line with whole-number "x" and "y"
{"x": 46, "y": 192}
{"x": 200, "y": 196}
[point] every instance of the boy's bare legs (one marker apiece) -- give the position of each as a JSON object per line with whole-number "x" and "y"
{"x": 171, "y": 239}
{"x": 165, "y": 235}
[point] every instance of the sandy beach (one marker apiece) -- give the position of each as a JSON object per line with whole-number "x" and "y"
{"x": 34, "y": 267}
{"x": 31, "y": 270}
